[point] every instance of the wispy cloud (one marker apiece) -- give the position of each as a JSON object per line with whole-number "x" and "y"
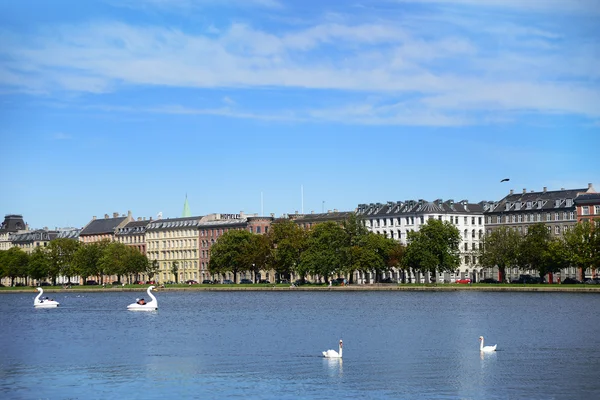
{"x": 424, "y": 70}
{"x": 552, "y": 6}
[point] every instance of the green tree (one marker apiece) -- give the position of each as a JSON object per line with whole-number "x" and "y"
{"x": 534, "y": 249}
{"x": 114, "y": 260}
{"x": 583, "y": 246}
{"x": 38, "y": 264}
{"x": 372, "y": 254}
{"x": 15, "y": 260}
{"x": 396, "y": 257}
{"x": 325, "y": 252}
{"x": 175, "y": 270}
{"x": 152, "y": 269}
{"x": 356, "y": 234}
{"x": 434, "y": 248}
{"x": 230, "y": 253}
{"x": 136, "y": 263}
{"x": 61, "y": 253}
{"x": 501, "y": 249}
{"x": 86, "y": 260}
{"x": 288, "y": 241}
{"x": 259, "y": 254}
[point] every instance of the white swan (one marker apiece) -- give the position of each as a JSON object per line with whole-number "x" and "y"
{"x": 333, "y": 353}
{"x": 149, "y": 306}
{"x": 44, "y": 303}
{"x": 486, "y": 349}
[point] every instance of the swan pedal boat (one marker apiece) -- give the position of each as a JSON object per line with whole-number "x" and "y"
{"x": 37, "y": 303}
{"x": 149, "y": 306}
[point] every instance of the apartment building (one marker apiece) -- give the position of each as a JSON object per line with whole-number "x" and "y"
{"x": 12, "y": 223}
{"x": 133, "y": 234}
{"x": 588, "y": 207}
{"x": 99, "y": 229}
{"x": 396, "y": 219}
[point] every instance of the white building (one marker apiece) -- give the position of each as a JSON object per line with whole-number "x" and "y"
{"x": 396, "y": 219}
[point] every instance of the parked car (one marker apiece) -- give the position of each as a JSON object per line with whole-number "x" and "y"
{"x": 207, "y": 282}
{"x": 570, "y": 281}
{"x": 245, "y": 281}
{"x": 527, "y": 279}
{"x": 91, "y": 283}
{"x": 139, "y": 283}
{"x": 299, "y": 282}
{"x": 45, "y": 284}
{"x": 592, "y": 281}
{"x": 116, "y": 283}
{"x": 150, "y": 282}
{"x": 464, "y": 280}
{"x": 388, "y": 280}
{"x": 191, "y": 282}
{"x": 264, "y": 281}
{"x": 283, "y": 281}
{"x": 489, "y": 280}
{"x": 227, "y": 282}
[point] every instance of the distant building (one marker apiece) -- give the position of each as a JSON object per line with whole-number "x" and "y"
{"x": 28, "y": 241}
{"x": 133, "y": 234}
{"x": 310, "y": 220}
{"x": 12, "y": 223}
{"x": 396, "y": 219}
{"x": 213, "y": 226}
{"x": 588, "y": 207}
{"x": 104, "y": 228}
{"x": 174, "y": 240}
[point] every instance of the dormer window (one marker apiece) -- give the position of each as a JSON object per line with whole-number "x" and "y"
{"x": 556, "y": 203}
{"x": 517, "y": 205}
{"x": 569, "y": 202}
{"x": 540, "y": 204}
{"x": 529, "y": 204}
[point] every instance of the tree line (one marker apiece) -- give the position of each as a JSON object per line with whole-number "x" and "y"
{"x": 539, "y": 250}
{"x": 70, "y": 258}
{"x": 330, "y": 249}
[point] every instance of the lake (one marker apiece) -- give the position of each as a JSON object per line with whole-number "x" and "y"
{"x": 267, "y": 345}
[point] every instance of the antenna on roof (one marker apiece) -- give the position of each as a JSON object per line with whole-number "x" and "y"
{"x": 302, "y": 197}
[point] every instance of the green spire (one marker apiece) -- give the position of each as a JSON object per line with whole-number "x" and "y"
{"x": 186, "y": 208}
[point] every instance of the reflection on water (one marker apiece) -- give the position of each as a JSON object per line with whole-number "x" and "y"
{"x": 268, "y": 345}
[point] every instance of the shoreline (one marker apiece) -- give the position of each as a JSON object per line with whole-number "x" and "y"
{"x": 352, "y": 288}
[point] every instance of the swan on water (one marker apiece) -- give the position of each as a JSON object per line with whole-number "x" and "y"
{"x": 486, "y": 349}
{"x": 149, "y": 306}
{"x": 44, "y": 303}
{"x": 333, "y": 353}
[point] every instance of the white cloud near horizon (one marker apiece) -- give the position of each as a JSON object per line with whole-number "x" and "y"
{"x": 425, "y": 72}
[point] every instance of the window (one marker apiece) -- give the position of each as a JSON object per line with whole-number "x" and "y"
{"x": 466, "y": 246}
{"x": 597, "y": 210}
{"x": 548, "y": 216}
{"x": 498, "y": 219}
{"x": 472, "y": 220}
{"x": 572, "y": 215}
{"x": 439, "y": 217}
{"x": 480, "y": 220}
{"x": 514, "y": 219}
{"x": 466, "y": 220}
{"x": 556, "y": 216}
{"x": 520, "y": 218}
{"x": 539, "y": 217}
{"x": 569, "y": 202}
{"x": 585, "y": 210}
{"x": 467, "y": 259}
{"x": 258, "y": 229}
{"x": 557, "y": 230}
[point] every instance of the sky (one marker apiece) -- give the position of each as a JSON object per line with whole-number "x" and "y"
{"x": 273, "y": 106}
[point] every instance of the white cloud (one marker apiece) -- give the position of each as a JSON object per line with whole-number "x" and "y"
{"x": 436, "y": 71}
{"x": 554, "y": 6}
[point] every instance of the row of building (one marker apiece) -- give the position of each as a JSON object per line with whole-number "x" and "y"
{"x": 187, "y": 240}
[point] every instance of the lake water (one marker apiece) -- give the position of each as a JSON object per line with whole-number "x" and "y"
{"x": 267, "y": 345}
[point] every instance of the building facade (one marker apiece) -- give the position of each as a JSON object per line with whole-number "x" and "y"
{"x": 12, "y": 223}
{"x": 588, "y": 207}
{"x": 173, "y": 242}
{"x": 519, "y": 211}
{"x": 99, "y": 229}
{"x": 396, "y": 219}
{"x": 213, "y": 226}
{"x": 133, "y": 234}
{"x": 30, "y": 240}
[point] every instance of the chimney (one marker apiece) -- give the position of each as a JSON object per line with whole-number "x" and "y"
{"x": 335, "y": 210}
{"x": 105, "y": 216}
{"x": 139, "y": 218}
{"x": 562, "y": 188}
{"x": 511, "y": 191}
{"x": 94, "y": 218}
{"x": 328, "y": 211}
{"x": 296, "y": 211}
{"x": 272, "y": 215}
{"x": 115, "y": 214}
{"x": 129, "y": 213}
{"x": 589, "y": 185}
{"x": 545, "y": 189}
{"x": 524, "y": 190}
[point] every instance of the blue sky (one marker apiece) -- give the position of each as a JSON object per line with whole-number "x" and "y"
{"x": 115, "y": 105}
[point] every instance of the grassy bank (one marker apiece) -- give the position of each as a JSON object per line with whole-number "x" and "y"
{"x": 579, "y": 288}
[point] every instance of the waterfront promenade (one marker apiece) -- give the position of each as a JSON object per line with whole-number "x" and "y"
{"x": 581, "y": 288}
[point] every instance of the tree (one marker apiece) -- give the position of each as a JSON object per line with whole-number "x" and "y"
{"x": 231, "y": 253}
{"x": 38, "y": 264}
{"x": 175, "y": 270}
{"x": 259, "y": 254}
{"x": 152, "y": 269}
{"x": 396, "y": 257}
{"x": 355, "y": 237}
{"x": 135, "y": 262}
{"x": 61, "y": 254}
{"x": 372, "y": 254}
{"x": 434, "y": 248}
{"x": 324, "y": 255}
{"x": 501, "y": 249}
{"x": 114, "y": 260}
{"x": 583, "y": 245}
{"x": 287, "y": 240}
{"x": 15, "y": 260}
{"x": 534, "y": 249}
{"x": 86, "y": 259}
